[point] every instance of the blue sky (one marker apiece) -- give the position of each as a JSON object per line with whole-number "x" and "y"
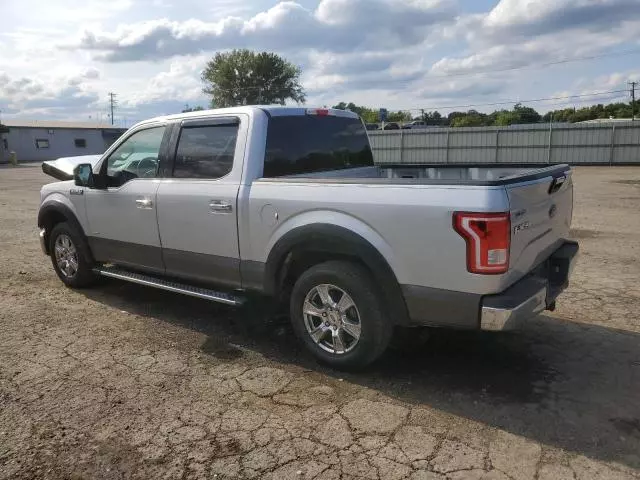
{"x": 60, "y": 61}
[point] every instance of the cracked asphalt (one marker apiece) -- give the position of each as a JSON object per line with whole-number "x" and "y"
{"x": 123, "y": 381}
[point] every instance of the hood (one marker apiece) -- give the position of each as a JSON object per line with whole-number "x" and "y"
{"x": 62, "y": 168}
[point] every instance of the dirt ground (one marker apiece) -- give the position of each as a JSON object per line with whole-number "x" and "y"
{"x": 123, "y": 381}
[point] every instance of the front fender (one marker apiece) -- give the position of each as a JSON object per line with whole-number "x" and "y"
{"x": 57, "y": 208}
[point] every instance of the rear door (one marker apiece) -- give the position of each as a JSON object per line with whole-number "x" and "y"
{"x": 541, "y": 213}
{"x": 197, "y": 206}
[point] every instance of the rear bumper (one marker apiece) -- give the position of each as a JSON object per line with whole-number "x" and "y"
{"x": 526, "y": 298}
{"x": 531, "y": 295}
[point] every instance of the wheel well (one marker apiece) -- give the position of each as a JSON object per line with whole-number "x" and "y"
{"x": 297, "y": 261}
{"x": 49, "y": 220}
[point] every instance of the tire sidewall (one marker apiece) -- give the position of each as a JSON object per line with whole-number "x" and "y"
{"x": 84, "y": 276}
{"x": 374, "y": 327}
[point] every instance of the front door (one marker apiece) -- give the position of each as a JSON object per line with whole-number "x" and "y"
{"x": 197, "y": 213}
{"x": 123, "y": 227}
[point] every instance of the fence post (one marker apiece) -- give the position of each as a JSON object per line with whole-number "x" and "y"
{"x": 446, "y": 152}
{"x": 401, "y": 144}
{"x": 613, "y": 144}
{"x": 497, "y": 145}
{"x": 550, "y": 141}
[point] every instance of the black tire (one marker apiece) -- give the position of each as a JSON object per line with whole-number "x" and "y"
{"x": 83, "y": 276}
{"x": 375, "y": 326}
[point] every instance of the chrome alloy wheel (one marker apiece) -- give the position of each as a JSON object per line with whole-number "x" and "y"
{"x": 332, "y": 319}
{"x": 66, "y": 255}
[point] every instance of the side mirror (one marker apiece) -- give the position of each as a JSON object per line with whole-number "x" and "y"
{"x": 83, "y": 175}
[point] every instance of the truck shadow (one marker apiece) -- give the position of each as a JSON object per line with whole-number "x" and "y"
{"x": 569, "y": 385}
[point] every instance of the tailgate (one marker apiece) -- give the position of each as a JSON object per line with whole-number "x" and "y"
{"x": 541, "y": 213}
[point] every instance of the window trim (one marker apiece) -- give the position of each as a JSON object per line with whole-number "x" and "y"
{"x": 43, "y": 140}
{"x": 180, "y": 125}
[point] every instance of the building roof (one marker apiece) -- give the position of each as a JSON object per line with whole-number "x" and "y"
{"x": 56, "y": 124}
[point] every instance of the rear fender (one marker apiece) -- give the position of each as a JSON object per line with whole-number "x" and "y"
{"x": 345, "y": 237}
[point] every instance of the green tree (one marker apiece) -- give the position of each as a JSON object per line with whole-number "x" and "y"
{"x": 505, "y": 118}
{"x": 187, "y": 109}
{"x": 399, "y": 116}
{"x": 472, "y": 118}
{"x": 371, "y": 115}
{"x": 244, "y": 77}
{"x": 526, "y": 114}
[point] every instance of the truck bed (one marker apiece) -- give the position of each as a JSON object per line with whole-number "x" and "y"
{"x": 434, "y": 175}
{"x": 417, "y": 221}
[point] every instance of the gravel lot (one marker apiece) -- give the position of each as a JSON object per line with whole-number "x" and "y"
{"x": 122, "y": 381}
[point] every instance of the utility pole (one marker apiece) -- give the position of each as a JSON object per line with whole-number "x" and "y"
{"x": 633, "y": 100}
{"x": 112, "y": 103}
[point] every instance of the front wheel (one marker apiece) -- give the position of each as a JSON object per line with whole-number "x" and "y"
{"x": 71, "y": 257}
{"x": 337, "y": 311}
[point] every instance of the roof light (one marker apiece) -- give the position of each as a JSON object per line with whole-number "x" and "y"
{"x": 320, "y": 112}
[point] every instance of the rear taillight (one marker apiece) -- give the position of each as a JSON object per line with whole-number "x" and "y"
{"x": 488, "y": 236}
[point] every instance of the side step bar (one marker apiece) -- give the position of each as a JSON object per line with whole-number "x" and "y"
{"x": 150, "y": 281}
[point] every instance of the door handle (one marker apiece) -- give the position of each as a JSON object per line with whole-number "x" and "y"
{"x": 220, "y": 206}
{"x": 144, "y": 203}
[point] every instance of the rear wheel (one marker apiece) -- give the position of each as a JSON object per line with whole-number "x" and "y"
{"x": 71, "y": 257}
{"x": 337, "y": 312}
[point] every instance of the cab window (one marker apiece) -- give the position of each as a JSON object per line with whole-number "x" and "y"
{"x": 136, "y": 157}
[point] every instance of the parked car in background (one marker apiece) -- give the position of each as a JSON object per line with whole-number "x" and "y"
{"x": 286, "y": 203}
{"x": 391, "y": 126}
{"x": 414, "y": 125}
{"x": 372, "y": 126}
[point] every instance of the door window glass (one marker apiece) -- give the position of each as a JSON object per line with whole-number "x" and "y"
{"x": 138, "y": 156}
{"x": 205, "y": 151}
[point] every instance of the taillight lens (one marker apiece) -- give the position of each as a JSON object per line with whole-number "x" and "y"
{"x": 488, "y": 237}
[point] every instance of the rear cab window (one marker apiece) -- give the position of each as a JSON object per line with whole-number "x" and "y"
{"x": 302, "y": 144}
{"x": 206, "y": 151}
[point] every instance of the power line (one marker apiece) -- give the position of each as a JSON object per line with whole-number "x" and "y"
{"x": 510, "y": 102}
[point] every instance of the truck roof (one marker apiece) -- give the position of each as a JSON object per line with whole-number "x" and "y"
{"x": 273, "y": 110}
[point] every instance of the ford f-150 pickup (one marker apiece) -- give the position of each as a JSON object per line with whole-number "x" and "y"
{"x": 287, "y": 203}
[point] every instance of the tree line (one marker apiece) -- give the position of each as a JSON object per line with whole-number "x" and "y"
{"x": 519, "y": 114}
{"x": 244, "y": 77}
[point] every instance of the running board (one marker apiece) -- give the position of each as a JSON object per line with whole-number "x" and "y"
{"x": 150, "y": 281}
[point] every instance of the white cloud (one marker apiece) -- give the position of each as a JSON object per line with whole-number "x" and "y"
{"x": 522, "y": 33}
{"x": 393, "y": 53}
{"x": 335, "y": 25}
{"x": 29, "y": 95}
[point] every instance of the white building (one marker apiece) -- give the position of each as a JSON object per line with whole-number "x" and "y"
{"x": 39, "y": 140}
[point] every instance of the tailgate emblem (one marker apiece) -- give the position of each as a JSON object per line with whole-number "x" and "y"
{"x": 553, "y": 210}
{"x": 519, "y": 228}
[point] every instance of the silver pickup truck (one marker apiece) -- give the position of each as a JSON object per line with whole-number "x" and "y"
{"x": 287, "y": 203}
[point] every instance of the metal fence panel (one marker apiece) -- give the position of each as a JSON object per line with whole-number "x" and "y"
{"x": 605, "y": 143}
